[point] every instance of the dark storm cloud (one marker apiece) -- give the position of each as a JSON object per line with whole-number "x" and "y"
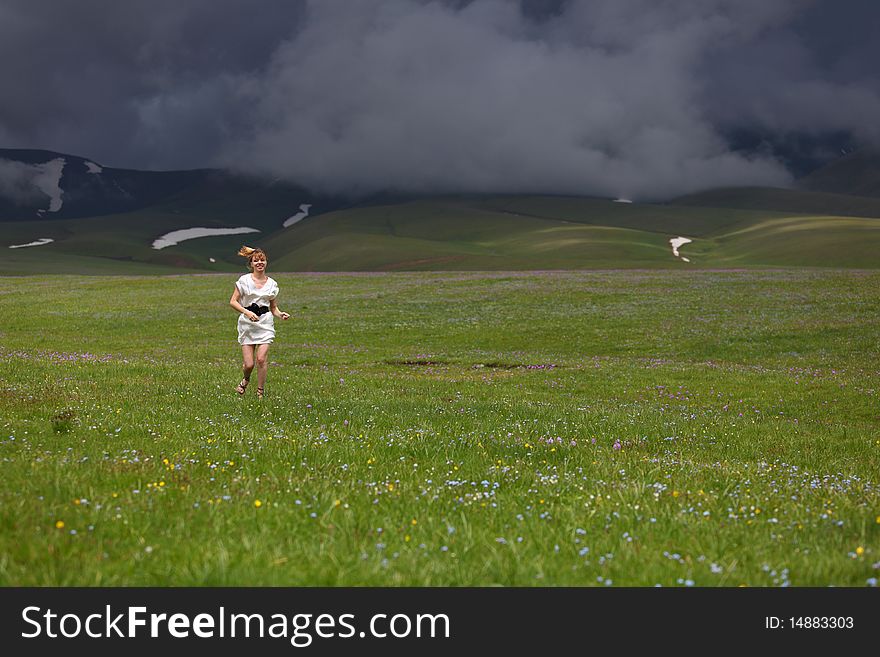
{"x": 617, "y": 97}
{"x": 136, "y": 83}
{"x": 813, "y": 73}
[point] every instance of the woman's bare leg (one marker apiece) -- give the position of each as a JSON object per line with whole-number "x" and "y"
{"x": 262, "y": 357}
{"x": 247, "y": 359}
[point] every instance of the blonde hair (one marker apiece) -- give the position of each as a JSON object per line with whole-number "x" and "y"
{"x": 251, "y": 253}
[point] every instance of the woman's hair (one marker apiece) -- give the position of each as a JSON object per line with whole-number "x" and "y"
{"x": 250, "y": 253}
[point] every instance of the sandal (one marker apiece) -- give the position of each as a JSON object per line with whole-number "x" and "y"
{"x": 259, "y": 393}
{"x": 241, "y": 387}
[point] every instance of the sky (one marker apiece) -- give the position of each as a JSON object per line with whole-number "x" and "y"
{"x": 642, "y": 99}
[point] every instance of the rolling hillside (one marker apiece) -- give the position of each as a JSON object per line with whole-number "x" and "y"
{"x": 784, "y": 200}
{"x": 729, "y": 227}
{"x": 855, "y": 173}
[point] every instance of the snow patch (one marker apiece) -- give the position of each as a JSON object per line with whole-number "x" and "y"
{"x": 299, "y": 216}
{"x": 622, "y": 200}
{"x": 211, "y": 260}
{"x": 93, "y": 168}
{"x": 676, "y": 242}
{"x": 39, "y": 242}
{"x": 177, "y": 236}
{"x": 48, "y": 181}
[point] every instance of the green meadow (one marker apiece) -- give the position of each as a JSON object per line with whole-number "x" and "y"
{"x": 564, "y": 428}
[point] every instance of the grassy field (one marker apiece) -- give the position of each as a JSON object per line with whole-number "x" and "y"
{"x": 625, "y": 428}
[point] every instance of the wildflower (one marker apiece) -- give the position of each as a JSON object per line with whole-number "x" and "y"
{"x": 59, "y": 524}
{"x": 860, "y": 550}
{"x": 616, "y": 446}
{"x": 258, "y": 503}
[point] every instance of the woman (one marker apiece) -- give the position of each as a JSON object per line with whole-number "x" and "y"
{"x": 254, "y": 298}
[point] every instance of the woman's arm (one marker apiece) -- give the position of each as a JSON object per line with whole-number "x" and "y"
{"x": 277, "y": 313}
{"x": 235, "y": 302}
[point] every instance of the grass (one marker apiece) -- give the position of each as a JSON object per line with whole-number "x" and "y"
{"x": 626, "y": 428}
{"x": 478, "y": 233}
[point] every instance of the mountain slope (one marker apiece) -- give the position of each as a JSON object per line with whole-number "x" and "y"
{"x": 447, "y": 234}
{"x": 733, "y": 227}
{"x": 44, "y": 184}
{"x": 783, "y": 201}
{"x": 856, "y": 173}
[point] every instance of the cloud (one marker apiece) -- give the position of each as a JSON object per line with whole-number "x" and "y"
{"x": 424, "y": 97}
{"x": 20, "y": 183}
{"x": 811, "y": 74}
{"x": 139, "y": 84}
{"x": 612, "y": 97}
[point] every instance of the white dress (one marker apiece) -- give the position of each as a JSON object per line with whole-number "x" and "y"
{"x": 263, "y": 330}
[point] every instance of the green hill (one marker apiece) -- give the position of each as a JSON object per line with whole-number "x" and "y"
{"x": 802, "y": 241}
{"x": 728, "y": 227}
{"x": 443, "y": 234}
{"x": 784, "y": 201}
{"x": 856, "y": 173}
{"x": 568, "y": 233}
{"x": 489, "y": 233}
